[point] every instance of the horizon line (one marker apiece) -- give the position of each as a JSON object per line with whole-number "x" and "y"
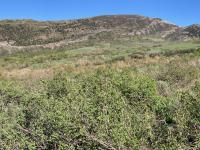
{"x": 87, "y": 17}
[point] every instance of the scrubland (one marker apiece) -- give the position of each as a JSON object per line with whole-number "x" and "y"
{"x": 118, "y": 95}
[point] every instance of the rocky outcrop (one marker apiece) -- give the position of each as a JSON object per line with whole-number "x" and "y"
{"x": 186, "y": 33}
{"x": 20, "y": 33}
{"x": 29, "y": 32}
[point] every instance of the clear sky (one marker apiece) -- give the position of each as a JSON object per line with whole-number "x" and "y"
{"x": 181, "y": 12}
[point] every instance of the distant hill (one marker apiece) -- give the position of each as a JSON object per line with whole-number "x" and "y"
{"x": 19, "y": 33}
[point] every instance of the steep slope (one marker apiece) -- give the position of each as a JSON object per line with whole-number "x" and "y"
{"x": 29, "y": 32}
{"x": 187, "y": 33}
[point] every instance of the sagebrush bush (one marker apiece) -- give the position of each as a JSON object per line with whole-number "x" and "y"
{"x": 179, "y": 74}
{"x": 105, "y": 109}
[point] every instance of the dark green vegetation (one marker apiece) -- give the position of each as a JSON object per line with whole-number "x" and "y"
{"x": 139, "y": 94}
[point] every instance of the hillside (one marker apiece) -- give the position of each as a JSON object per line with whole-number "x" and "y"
{"x": 29, "y": 32}
{"x": 21, "y": 35}
{"x": 187, "y": 33}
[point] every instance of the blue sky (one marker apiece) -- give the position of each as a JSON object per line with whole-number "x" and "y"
{"x": 181, "y": 12}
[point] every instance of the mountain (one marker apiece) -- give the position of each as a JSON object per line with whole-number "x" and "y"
{"x": 20, "y": 33}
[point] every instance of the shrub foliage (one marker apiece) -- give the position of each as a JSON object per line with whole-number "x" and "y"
{"x": 103, "y": 110}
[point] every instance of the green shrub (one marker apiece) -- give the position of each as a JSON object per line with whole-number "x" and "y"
{"x": 10, "y": 112}
{"x": 178, "y": 74}
{"x": 57, "y": 87}
{"x": 105, "y": 109}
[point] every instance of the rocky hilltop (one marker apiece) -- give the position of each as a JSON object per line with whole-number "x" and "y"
{"x": 29, "y": 32}
{"x": 19, "y": 33}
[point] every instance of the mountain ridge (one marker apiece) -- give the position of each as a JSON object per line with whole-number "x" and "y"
{"x": 30, "y": 33}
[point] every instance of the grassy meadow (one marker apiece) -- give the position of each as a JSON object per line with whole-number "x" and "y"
{"x": 119, "y": 95}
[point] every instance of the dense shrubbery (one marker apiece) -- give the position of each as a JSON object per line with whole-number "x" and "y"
{"x": 177, "y": 73}
{"x": 101, "y": 110}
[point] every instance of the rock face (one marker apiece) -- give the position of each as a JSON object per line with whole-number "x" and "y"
{"x": 187, "y": 33}
{"x": 29, "y": 32}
